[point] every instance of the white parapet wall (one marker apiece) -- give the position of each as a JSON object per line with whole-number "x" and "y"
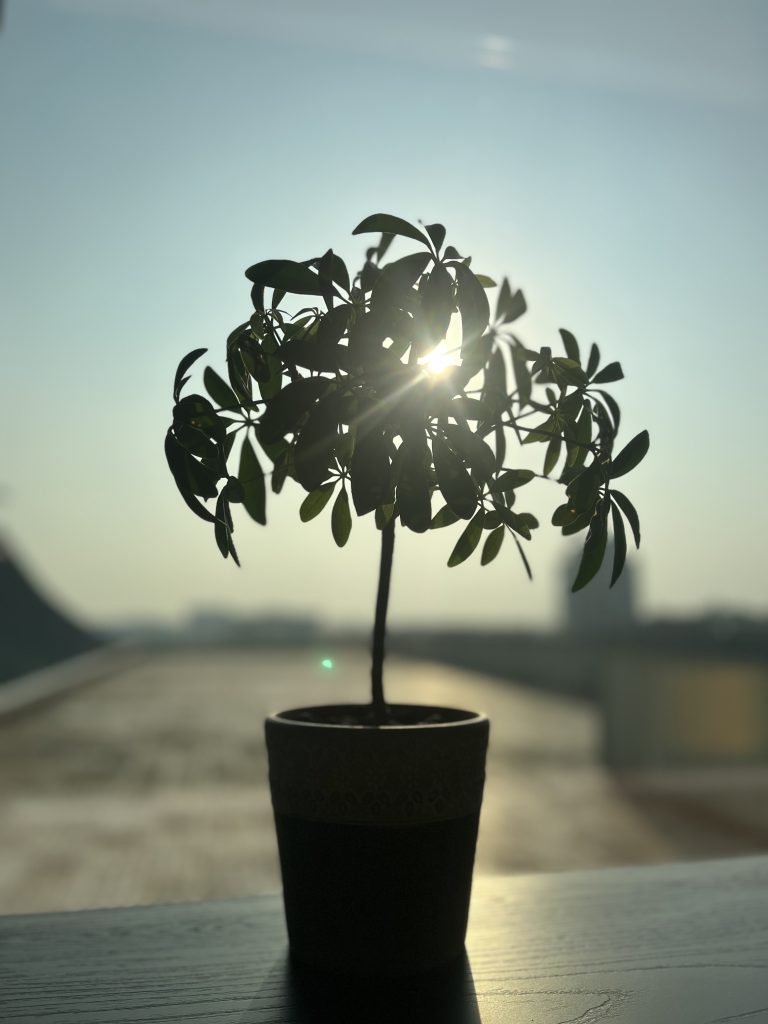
{"x": 54, "y": 681}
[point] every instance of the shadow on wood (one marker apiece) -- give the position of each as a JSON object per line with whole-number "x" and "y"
{"x": 446, "y": 996}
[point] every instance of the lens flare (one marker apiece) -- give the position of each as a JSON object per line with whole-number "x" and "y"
{"x": 437, "y": 363}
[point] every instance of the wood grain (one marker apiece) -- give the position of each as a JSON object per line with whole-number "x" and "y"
{"x": 683, "y": 944}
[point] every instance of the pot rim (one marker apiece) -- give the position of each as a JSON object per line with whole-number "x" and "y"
{"x": 468, "y": 718}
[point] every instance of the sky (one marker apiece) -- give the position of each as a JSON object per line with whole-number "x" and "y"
{"x": 607, "y": 156}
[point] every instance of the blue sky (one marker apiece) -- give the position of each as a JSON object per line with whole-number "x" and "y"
{"x": 609, "y": 157}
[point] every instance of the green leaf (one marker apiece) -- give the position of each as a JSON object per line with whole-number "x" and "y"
{"x": 510, "y": 479}
{"x": 485, "y": 281}
{"x": 469, "y": 409}
{"x": 341, "y": 519}
{"x": 196, "y": 411}
{"x": 316, "y": 443}
{"x": 184, "y": 365}
{"x": 282, "y": 468}
{"x": 223, "y": 528}
{"x": 571, "y": 345}
{"x": 619, "y": 544}
{"x": 582, "y": 437}
{"x": 387, "y": 238}
{"x": 522, "y": 374}
{"x": 522, "y": 555}
{"x": 445, "y": 517}
{"x": 219, "y": 390}
{"x": 333, "y": 325}
{"x": 273, "y": 450}
{"x": 229, "y": 441}
{"x": 468, "y": 541}
{"x": 222, "y": 537}
{"x": 509, "y": 305}
{"x": 196, "y": 441}
{"x": 542, "y": 432}
{"x": 437, "y": 233}
{"x": 234, "y": 490}
{"x": 501, "y": 445}
{"x": 333, "y": 268}
{"x": 579, "y": 523}
{"x": 388, "y": 224}
{"x": 605, "y": 432}
{"x": 564, "y": 515}
{"x": 311, "y": 355}
{"x": 492, "y": 520}
{"x": 437, "y": 301}
{"x": 287, "y": 407}
{"x": 594, "y": 550}
{"x": 630, "y": 514}
{"x": 569, "y": 408}
{"x": 192, "y": 477}
{"x": 178, "y": 461}
{"x": 394, "y": 284}
{"x": 613, "y": 408}
{"x": 315, "y": 502}
{"x": 583, "y": 489}
{"x": 413, "y": 487}
{"x": 251, "y": 478}
{"x": 594, "y": 360}
{"x": 567, "y": 371}
{"x": 286, "y": 275}
{"x": 384, "y": 514}
{"x": 272, "y": 381}
{"x": 492, "y": 545}
{"x": 237, "y": 371}
{"x": 630, "y": 456}
{"x": 608, "y": 374}
{"x": 370, "y": 472}
{"x": 345, "y": 443}
{"x": 521, "y": 523}
{"x": 369, "y": 275}
{"x": 453, "y": 480}
{"x": 552, "y": 456}
{"x": 473, "y": 450}
{"x": 473, "y": 305}
{"x": 495, "y": 383}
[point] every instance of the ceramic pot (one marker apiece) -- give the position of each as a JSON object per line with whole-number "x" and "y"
{"x": 376, "y": 830}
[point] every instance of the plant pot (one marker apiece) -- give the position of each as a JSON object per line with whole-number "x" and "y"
{"x": 376, "y": 829}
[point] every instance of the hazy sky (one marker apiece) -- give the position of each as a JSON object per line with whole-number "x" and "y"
{"x": 610, "y": 157}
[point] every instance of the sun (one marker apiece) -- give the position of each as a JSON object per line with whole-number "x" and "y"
{"x": 437, "y": 362}
{"x": 445, "y": 356}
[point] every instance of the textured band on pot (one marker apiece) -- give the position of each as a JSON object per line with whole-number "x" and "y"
{"x": 389, "y": 776}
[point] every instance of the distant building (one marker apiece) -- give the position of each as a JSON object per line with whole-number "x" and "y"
{"x": 598, "y": 607}
{"x": 213, "y": 626}
{"x": 33, "y": 633}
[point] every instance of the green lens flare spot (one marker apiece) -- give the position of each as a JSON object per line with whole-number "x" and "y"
{"x": 327, "y": 663}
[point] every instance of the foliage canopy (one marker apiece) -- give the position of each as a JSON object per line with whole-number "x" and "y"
{"x": 345, "y": 396}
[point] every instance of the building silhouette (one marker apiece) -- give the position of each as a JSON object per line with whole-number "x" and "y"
{"x": 598, "y": 607}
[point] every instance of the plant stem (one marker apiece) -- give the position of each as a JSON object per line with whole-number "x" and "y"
{"x": 380, "y": 623}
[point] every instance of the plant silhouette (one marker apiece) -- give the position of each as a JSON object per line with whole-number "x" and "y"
{"x": 359, "y": 398}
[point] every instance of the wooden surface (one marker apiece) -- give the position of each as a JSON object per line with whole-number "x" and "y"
{"x": 679, "y": 944}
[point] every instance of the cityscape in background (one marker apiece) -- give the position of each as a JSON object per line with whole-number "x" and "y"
{"x": 634, "y": 671}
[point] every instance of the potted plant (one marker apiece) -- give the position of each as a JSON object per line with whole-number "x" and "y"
{"x": 379, "y": 394}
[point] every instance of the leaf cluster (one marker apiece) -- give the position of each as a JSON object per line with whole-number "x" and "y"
{"x": 338, "y": 396}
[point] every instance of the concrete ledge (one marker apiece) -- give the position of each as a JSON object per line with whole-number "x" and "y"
{"x": 25, "y": 692}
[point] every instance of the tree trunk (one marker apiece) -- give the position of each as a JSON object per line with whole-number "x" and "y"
{"x": 380, "y": 623}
